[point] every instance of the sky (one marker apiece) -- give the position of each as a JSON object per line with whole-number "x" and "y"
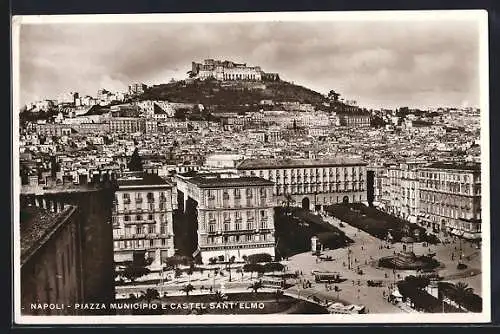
{"x": 379, "y": 64}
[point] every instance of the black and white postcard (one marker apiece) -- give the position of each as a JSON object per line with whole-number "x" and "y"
{"x": 307, "y": 167}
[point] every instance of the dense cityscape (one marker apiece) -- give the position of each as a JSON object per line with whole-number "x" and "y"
{"x": 233, "y": 186}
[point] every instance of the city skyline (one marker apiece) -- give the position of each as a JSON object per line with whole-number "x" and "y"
{"x": 379, "y": 64}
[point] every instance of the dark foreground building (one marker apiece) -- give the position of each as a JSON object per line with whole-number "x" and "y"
{"x": 66, "y": 247}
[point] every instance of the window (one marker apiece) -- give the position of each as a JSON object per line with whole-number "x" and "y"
{"x": 138, "y": 229}
{"x": 152, "y": 229}
{"x": 150, "y": 217}
{"x": 128, "y": 231}
{"x": 127, "y": 218}
{"x": 227, "y": 217}
{"x": 237, "y": 193}
{"x": 227, "y": 226}
{"x": 126, "y": 198}
{"x": 249, "y": 226}
{"x": 163, "y": 242}
{"x": 211, "y": 216}
{"x": 138, "y": 217}
{"x": 163, "y": 229}
{"x": 249, "y": 193}
{"x": 225, "y": 195}
{"x": 211, "y": 227}
{"x": 263, "y": 192}
{"x": 249, "y": 215}
{"x": 151, "y": 243}
{"x": 150, "y": 197}
{"x": 262, "y": 213}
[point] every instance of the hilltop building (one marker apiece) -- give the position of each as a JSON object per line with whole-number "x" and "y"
{"x": 228, "y": 70}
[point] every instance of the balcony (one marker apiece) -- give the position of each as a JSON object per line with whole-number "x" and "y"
{"x": 139, "y": 222}
{"x": 138, "y": 200}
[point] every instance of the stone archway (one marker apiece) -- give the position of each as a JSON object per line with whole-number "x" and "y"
{"x": 345, "y": 200}
{"x": 306, "y": 203}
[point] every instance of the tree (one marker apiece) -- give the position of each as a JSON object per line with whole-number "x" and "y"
{"x": 260, "y": 257}
{"x": 135, "y": 162}
{"x": 273, "y": 267}
{"x": 132, "y": 272}
{"x": 219, "y": 297}
{"x": 187, "y": 289}
{"x": 256, "y": 286}
{"x": 178, "y": 272}
{"x": 150, "y": 294}
{"x": 333, "y": 96}
{"x": 462, "y": 292}
{"x": 251, "y": 268}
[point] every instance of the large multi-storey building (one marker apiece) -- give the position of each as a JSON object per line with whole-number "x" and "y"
{"x": 312, "y": 183}
{"x": 66, "y": 249}
{"x": 126, "y": 124}
{"x": 142, "y": 218}
{"x": 354, "y": 118}
{"x": 52, "y": 129}
{"x": 50, "y": 258}
{"x": 235, "y": 215}
{"x": 450, "y": 198}
{"x": 403, "y": 191}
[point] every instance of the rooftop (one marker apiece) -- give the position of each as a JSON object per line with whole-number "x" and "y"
{"x": 218, "y": 182}
{"x": 142, "y": 179}
{"x": 298, "y": 163}
{"x": 37, "y": 226}
{"x": 469, "y": 166}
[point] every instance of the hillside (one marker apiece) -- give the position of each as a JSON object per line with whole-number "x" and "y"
{"x": 231, "y": 94}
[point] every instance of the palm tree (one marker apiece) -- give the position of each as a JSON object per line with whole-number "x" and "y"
{"x": 219, "y": 297}
{"x": 187, "y": 289}
{"x": 462, "y": 292}
{"x": 256, "y": 286}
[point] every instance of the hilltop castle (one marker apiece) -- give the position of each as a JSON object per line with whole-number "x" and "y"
{"x": 228, "y": 70}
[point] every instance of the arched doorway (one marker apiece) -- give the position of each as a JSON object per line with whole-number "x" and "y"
{"x": 345, "y": 199}
{"x": 305, "y": 203}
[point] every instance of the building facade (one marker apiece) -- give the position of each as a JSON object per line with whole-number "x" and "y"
{"x": 403, "y": 191}
{"x": 76, "y": 248}
{"x": 311, "y": 183}
{"x": 235, "y": 215}
{"x": 53, "y": 129}
{"x": 126, "y": 124}
{"x": 450, "y": 198}
{"x": 142, "y": 218}
{"x": 50, "y": 259}
{"x": 136, "y": 88}
{"x": 354, "y": 119}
